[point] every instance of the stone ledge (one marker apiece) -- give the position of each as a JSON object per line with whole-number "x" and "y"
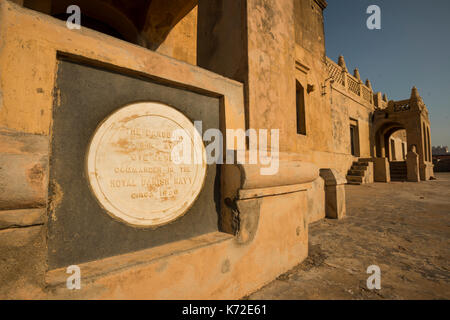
{"x": 289, "y": 173}
{"x": 21, "y": 218}
{"x": 264, "y": 192}
{"x": 95, "y": 269}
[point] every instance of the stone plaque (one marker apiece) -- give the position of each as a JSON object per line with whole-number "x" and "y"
{"x": 134, "y": 171}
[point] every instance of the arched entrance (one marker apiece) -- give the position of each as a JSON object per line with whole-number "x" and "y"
{"x": 399, "y": 127}
{"x": 391, "y": 143}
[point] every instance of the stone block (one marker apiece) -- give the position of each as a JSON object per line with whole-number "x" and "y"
{"x": 316, "y": 201}
{"x": 21, "y": 218}
{"x": 412, "y": 166}
{"x": 334, "y": 193}
{"x": 23, "y": 170}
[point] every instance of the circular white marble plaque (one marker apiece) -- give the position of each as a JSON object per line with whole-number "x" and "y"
{"x": 146, "y": 164}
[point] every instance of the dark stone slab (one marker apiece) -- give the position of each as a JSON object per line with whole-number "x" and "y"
{"x": 79, "y": 230}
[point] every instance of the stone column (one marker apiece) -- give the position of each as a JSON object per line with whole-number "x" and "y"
{"x": 412, "y": 165}
{"x": 253, "y": 42}
{"x": 334, "y": 193}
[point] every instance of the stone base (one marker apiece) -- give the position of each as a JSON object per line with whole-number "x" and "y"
{"x": 334, "y": 193}
{"x": 212, "y": 266}
{"x": 412, "y": 166}
{"x": 316, "y": 201}
{"x": 381, "y": 170}
{"x": 426, "y": 171}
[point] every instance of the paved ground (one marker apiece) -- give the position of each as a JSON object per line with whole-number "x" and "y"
{"x": 402, "y": 227}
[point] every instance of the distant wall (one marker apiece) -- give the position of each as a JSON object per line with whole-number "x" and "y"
{"x": 442, "y": 164}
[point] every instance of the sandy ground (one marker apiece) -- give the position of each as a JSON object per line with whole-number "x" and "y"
{"x": 402, "y": 227}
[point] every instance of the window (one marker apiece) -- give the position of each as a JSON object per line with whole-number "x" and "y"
{"x": 354, "y": 138}
{"x": 300, "y": 105}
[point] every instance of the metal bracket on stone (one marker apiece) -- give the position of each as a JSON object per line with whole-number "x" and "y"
{"x": 250, "y": 189}
{"x": 245, "y": 218}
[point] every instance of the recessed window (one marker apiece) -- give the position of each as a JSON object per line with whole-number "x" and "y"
{"x": 354, "y": 138}
{"x": 300, "y": 104}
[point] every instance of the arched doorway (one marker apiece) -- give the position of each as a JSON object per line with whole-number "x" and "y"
{"x": 383, "y": 136}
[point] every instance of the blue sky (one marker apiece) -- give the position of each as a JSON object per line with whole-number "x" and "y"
{"x": 412, "y": 48}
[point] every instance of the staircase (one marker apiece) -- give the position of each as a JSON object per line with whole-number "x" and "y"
{"x": 361, "y": 172}
{"x": 398, "y": 170}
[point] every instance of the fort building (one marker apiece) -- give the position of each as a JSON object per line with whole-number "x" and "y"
{"x": 69, "y": 168}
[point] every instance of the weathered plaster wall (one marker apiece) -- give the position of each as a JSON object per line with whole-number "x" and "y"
{"x": 29, "y": 45}
{"x": 213, "y": 266}
{"x": 28, "y": 48}
{"x": 181, "y": 42}
{"x": 328, "y": 106}
{"x": 309, "y": 26}
{"x": 216, "y": 266}
{"x": 316, "y": 201}
{"x": 400, "y": 146}
{"x": 23, "y": 201}
{"x": 252, "y": 41}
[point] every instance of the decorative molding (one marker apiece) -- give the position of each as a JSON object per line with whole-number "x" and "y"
{"x": 301, "y": 67}
{"x": 322, "y": 4}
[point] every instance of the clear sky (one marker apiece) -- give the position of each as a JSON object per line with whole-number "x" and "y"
{"x": 412, "y": 48}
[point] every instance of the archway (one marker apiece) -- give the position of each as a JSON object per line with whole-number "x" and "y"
{"x": 391, "y": 144}
{"x": 382, "y": 139}
{"x": 410, "y": 115}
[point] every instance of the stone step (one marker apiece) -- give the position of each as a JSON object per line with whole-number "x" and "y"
{"x": 361, "y": 163}
{"x": 353, "y": 172}
{"x": 356, "y": 167}
{"x": 396, "y": 174}
{"x": 397, "y": 178}
{"x": 365, "y": 159}
{"x": 398, "y": 171}
{"x": 354, "y": 179}
{"x": 397, "y": 166}
{"x": 354, "y": 183}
